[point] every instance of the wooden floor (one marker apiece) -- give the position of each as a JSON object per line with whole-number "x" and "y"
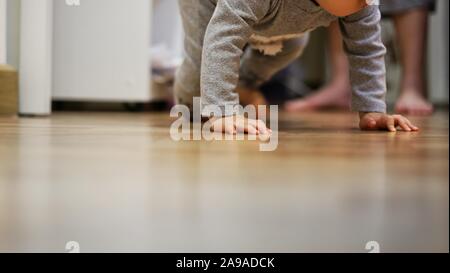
{"x": 117, "y": 182}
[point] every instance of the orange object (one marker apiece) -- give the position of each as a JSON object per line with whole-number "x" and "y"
{"x": 342, "y": 7}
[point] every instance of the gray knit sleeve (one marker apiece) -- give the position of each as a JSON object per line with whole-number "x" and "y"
{"x": 365, "y": 50}
{"x": 227, "y": 34}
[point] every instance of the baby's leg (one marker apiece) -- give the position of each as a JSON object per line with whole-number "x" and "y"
{"x": 257, "y": 68}
{"x": 195, "y": 15}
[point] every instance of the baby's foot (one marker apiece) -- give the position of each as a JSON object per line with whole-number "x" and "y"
{"x": 411, "y": 102}
{"x": 335, "y": 95}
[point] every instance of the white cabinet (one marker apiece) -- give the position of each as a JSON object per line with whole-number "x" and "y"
{"x": 100, "y": 50}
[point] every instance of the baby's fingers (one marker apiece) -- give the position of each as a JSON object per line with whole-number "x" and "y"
{"x": 222, "y": 126}
{"x": 401, "y": 121}
{"x": 245, "y": 126}
{"x": 390, "y": 124}
{"x": 260, "y": 126}
{"x": 405, "y": 124}
{"x": 230, "y": 129}
{"x": 412, "y": 126}
{"x": 251, "y": 130}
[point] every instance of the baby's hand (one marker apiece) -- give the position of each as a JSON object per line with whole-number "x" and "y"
{"x": 380, "y": 121}
{"x": 239, "y": 124}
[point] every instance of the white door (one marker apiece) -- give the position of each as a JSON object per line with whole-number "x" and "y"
{"x": 2, "y": 31}
{"x": 35, "y": 65}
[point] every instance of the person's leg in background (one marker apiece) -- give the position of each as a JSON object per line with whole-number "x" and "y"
{"x": 258, "y": 68}
{"x": 411, "y": 30}
{"x": 411, "y": 21}
{"x": 336, "y": 94}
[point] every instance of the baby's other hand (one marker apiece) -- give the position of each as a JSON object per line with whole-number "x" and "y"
{"x": 380, "y": 121}
{"x": 239, "y": 124}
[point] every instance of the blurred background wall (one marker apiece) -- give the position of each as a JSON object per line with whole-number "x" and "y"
{"x": 166, "y": 29}
{"x": 12, "y": 32}
{"x": 2, "y": 31}
{"x": 438, "y": 58}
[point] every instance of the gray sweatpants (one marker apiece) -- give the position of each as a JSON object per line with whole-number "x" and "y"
{"x": 256, "y": 68}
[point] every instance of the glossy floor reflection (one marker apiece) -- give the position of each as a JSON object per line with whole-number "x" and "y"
{"x": 117, "y": 182}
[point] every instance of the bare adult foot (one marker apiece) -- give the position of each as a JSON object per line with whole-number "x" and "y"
{"x": 334, "y": 95}
{"x": 411, "y": 102}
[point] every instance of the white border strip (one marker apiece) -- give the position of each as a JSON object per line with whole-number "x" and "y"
{"x": 3, "y": 31}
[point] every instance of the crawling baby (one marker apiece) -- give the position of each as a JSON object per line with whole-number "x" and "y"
{"x": 240, "y": 44}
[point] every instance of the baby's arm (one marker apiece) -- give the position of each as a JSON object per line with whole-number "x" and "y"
{"x": 225, "y": 38}
{"x": 365, "y": 50}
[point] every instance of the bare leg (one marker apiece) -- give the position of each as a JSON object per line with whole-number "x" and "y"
{"x": 411, "y": 30}
{"x": 336, "y": 94}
